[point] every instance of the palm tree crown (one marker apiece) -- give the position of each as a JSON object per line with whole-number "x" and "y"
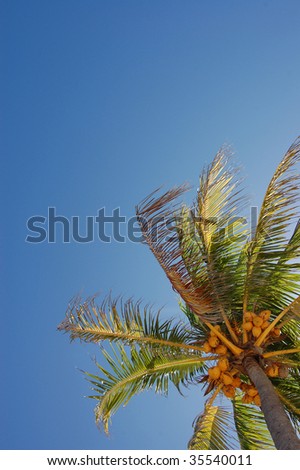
{"x": 240, "y": 295}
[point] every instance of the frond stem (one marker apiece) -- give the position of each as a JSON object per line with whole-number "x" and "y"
{"x": 232, "y": 347}
{"x": 214, "y": 396}
{"x": 132, "y": 337}
{"x": 265, "y": 333}
{"x": 280, "y": 353}
{"x": 229, "y": 327}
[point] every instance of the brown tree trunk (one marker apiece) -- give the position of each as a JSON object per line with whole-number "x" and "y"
{"x": 280, "y": 427}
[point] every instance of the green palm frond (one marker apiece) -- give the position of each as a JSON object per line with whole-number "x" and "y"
{"x": 221, "y": 233}
{"x": 291, "y": 329}
{"x": 251, "y": 427}
{"x": 288, "y": 340}
{"x": 212, "y": 430}
{"x": 199, "y": 330}
{"x": 288, "y": 391}
{"x": 281, "y": 285}
{"x": 212, "y": 235}
{"x": 137, "y": 370}
{"x": 128, "y": 322}
{"x": 268, "y": 246}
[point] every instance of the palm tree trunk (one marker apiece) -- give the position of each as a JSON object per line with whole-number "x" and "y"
{"x": 280, "y": 427}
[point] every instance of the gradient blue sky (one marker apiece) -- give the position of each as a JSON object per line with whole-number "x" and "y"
{"x": 101, "y": 102}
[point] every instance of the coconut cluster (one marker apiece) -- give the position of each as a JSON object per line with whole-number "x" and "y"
{"x": 231, "y": 382}
{"x": 255, "y": 324}
{"x": 250, "y": 394}
{"x": 275, "y": 369}
{"x": 214, "y": 345}
{"x": 223, "y": 373}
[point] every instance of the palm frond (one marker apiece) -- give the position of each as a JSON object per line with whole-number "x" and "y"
{"x": 251, "y": 427}
{"x": 199, "y": 330}
{"x": 128, "y": 322}
{"x": 288, "y": 391}
{"x": 212, "y": 430}
{"x": 291, "y": 329}
{"x": 158, "y": 216}
{"x": 131, "y": 373}
{"x": 293, "y": 309}
{"x": 281, "y": 285}
{"x": 191, "y": 248}
{"x": 221, "y": 233}
{"x": 289, "y": 339}
{"x": 212, "y": 234}
{"x": 268, "y": 251}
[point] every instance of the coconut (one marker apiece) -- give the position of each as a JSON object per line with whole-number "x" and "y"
{"x": 272, "y": 370}
{"x": 256, "y": 400}
{"x": 257, "y": 321}
{"x": 229, "y": 391}
{"x": 221, "y": 349}
{"x": 213, "y": 341}
{"x": 214, "y": 373}
{"x": 283, "y": 371}
{"x": 248, "y": 326}
{"x": 227, "y": 378}
{"x": 206, "y": 347}
{"x": 247, "y": 399}
{"x": 265, "y": 314}
{"x": 244, "y": 387}
{"x": 248, "y": 316}
{"x": 256, "y": 331}
{"x": 252, "y": 391}
{"x": 265, "y": 325}
{"x": 223, "y": 364}
{"x": 236, "y": 382}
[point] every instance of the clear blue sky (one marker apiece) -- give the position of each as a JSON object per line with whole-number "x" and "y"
{"x": 101, "y": 102}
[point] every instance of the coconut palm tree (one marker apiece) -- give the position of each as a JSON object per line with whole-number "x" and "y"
{"x": 240, "y": 296}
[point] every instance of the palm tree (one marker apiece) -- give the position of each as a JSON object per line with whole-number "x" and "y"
{"x": 240, "y": 296}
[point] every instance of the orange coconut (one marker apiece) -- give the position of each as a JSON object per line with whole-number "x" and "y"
{"x": 244, "y": 387}
{"x": 265, "y": 325}
{"x": 256, "y": 331}
{"x": 214, "y": 373}
{"x": 221, "y": 349}
{"x": 223, "y": 364}
{"x": 236, "y": 382}
{"x": 213, "y": 341}
{"x": 257, "y": 321}
{"x": 272, "y": 370}
{"x": 252, "y": 391}
{"x": 247, "y": 399}
{"x": 206, "y": 347}
{"x": 226, "y": 378}
{"x": 248, "y": 326}
{"x": 248, "y": 316}
{"x": 229, "y": 391}
{"x": 256, "y": 400}
{"x": 265, "y": 314}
